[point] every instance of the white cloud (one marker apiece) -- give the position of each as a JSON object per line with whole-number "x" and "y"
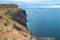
{"x": 36, "y": 2}
{"x": 22, "y": 0}
{"x": 27, "y": 0}
{"x": 50, "y": 6}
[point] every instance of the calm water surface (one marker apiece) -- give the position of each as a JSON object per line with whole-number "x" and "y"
{"x": 44, "y": 22}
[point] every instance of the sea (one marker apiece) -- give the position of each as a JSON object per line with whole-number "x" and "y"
{"x": 43, "y": 21}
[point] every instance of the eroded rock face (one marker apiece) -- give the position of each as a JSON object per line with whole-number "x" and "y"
{"x": 13, "y": 23}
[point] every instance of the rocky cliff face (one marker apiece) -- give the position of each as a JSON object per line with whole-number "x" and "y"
{"x": 13, "y": 23}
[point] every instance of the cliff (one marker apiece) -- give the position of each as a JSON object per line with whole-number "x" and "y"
{"x": 13, "y": 23}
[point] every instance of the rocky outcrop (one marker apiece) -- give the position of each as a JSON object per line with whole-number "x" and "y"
{"x": 45, "y": 38}
{"x": 13, "y": 23}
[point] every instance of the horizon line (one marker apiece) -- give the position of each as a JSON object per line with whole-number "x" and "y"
{"x": 40, "y": 6}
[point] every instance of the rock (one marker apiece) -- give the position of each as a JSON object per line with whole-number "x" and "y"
{"x": 13, "y": 23}
{"x": 45, "y": 38}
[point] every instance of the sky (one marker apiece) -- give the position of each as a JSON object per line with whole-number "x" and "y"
{"x": 40, "y": 3}
{"x": 33, "y": 2}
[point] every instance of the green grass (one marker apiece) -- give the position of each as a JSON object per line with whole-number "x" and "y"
{"x": 14, "y": 38}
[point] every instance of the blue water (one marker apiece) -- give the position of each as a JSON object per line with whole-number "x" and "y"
{"x": 44, "y": 22}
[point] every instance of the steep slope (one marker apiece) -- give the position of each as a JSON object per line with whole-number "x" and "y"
{"x": 13, "y": 23}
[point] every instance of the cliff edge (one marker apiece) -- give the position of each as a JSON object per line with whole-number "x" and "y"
{"x": 13, "y": 23}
